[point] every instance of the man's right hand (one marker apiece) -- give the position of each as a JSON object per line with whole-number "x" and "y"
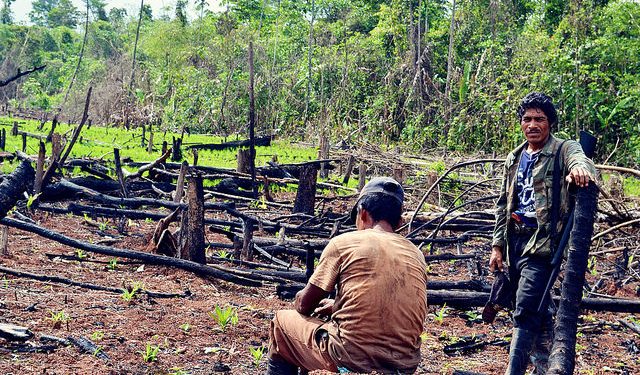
{"x": 495, "y": 260}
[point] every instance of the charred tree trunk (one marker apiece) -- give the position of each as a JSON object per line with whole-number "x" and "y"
{"x": 244, "y": 160}
{"x": 193, "y": 249}
{"x": 347, "y": 173}
{"x": 247, "y": 241}
{"x": 118, "y": 166}
{"x": 177, "y": 149}
{"x": 14, "y": 185}
{"x": 362, "y": 176}
{"x": 3, "y": 139}
{"x": 305, "y": 199}
{"x": 37, "y": 186}
{"x": 177, "y": 197}
{"x": 563, "y": 353}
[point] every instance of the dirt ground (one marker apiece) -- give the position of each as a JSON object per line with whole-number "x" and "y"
{"x": 190, "y": 341}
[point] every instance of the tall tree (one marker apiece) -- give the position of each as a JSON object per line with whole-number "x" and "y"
{"x": 181, "y": 12}
{"x": 6, "y": 16}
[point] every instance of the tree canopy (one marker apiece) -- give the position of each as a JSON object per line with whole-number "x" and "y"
{"x": 419, "y": 72}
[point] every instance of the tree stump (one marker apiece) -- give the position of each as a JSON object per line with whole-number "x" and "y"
{"x": 347, "y": 174}
{"x": 3, "y": 139}
{"x": 176, "y": 154}
{"x": 563, "y": 353}
{"x": 247, "y": 243}
{"x": 165, "y": 147}
{"x": 244, "y": 160}
{"x": 323, "y": 154}
{"x": 194, "y": 244}
{"x": 398, "y": 173}
{"x": 306, "y": 196}
{"x": 118, "y": 166}
{"x": 14, "y": 129}
{"x": 37, "y": 185}
{"x": 4, "y": 240}
{"x": 362, "y": 176}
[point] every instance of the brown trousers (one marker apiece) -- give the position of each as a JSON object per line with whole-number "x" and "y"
{"x": 293, "y": 337}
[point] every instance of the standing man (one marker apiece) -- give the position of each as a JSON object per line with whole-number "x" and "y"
{"x": 380, "y": 306}
{"x": 523, "y": 238}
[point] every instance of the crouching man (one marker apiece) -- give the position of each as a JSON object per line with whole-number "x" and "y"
{"x": 380, "y": 306}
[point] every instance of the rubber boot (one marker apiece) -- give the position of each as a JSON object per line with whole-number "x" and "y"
{"x": 278, "y": 366}
{"x": 542, "y": 349}
{"x": 522, "y": 341}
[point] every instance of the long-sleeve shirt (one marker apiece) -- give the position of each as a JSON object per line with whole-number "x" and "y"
{"x": 540, "y": 243}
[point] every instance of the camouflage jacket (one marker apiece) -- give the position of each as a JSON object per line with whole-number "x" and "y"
{"x": 540, "y": 243}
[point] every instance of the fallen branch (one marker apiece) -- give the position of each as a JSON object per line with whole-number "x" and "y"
{"x": 63, "y": 280}
{"x": 20, "y": 74}
{"x": 194, "y": 267}
{"x": 149, "y": 166}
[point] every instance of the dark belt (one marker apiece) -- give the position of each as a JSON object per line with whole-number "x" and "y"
{"x": 523, "y": 229}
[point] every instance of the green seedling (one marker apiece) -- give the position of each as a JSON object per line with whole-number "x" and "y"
{"x": 592, "y": 265}
{"x": 224, "y": 254}
{"x": 81, "y": 254}
{"x": 257, "y": 354}
{"x": 423, "y": 336}
{"x": 472, "y": 315}
{"x": 148, "y": 220}
{"x": 150, "y": 353}
{"x": 31, "y": 199}
{"x": 58, "y": 318}
{"x": 186, "y": 327}
{"x": 440, "y": 314}
{"x": 224, "y": 316}
{"x": 179, "y": 371}
{"x": 97, "y": 335}
{"x": 113, "y": 264}
{"x": 103, "y": 226}
{"x": 129, "y": 294}
{"x": 97, "y": 351}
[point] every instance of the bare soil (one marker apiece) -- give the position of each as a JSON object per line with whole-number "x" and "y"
{"x": 123, "y": 329}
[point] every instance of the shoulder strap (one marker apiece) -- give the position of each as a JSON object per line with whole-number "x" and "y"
{"x": 556, "y": 191}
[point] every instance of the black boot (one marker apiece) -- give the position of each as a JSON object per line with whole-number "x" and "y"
{"x": 542, "y": 350}
{"x": 521, "y": 343}
{"x": 278, "y": 366}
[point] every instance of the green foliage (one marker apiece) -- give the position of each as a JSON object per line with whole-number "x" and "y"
{"x": 150, "y": 353}
{"x": 81, "y": 254}
{"x": 440, "y": 314}
{"x": 185, "y": 327}
{"x": 58, "y": 317}
{"x": 113, "y": 264}
{"x": 129, "y": 294}
{"x": 378, "y": 71}
{"x": 97, "y": 335}
{"x": 257, "y": 353}
{"x": 224, "y": 316}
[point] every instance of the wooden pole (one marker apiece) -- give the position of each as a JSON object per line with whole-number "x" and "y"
{"x": 4, "y": 240}
{"x": 177, "y": 197}
{"x": 177, "y": 150}
{"x": 252, "y": 125}
{"x": 118, "y": 166}
{"x": 37, "y": 185}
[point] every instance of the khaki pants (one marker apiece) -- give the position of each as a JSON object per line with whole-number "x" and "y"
{"x": 292, "y": 337}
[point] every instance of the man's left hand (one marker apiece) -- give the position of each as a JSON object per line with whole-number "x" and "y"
{"x": 579, "y": 176}
{"x": 325, "y": 307}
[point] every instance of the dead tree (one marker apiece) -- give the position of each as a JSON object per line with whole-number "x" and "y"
{"x": 193, "y": 247}
{"x": 20, "y": 74}
{"x": 563, "y": 353}
{"x": 252, "y": 125}
{"x": 305, "y": 198}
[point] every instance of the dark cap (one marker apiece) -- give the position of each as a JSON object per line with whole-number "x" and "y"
{"x": 382, "y": 185}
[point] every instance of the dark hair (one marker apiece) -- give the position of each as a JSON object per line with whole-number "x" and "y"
{"x": 382, "y": 207}
{"x": 542, "y": 102}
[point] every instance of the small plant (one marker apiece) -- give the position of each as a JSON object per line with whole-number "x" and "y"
{"x": 81, "y": 254}
{"x": 150, "y": 353}
{"x": 31, "y": 199}
{"x": 148, "y": 220}
{"x": 592, "y": 265}
{"x": 257, "y": 354}
{"x": 224, "y": 316}
{"x": 224, "y": 254}
{"x": 129, "y": 294}
{"x": 103, "y": 226}
{"x": 423, "y": 336}
{"x": 472, "y": 315}
{"x": 186, "y": 327}
{"x": 58, "y": 318}
{"x": 178, "y": 371}
{"x": 113, "y": 264}
{"x": 97, "y": 335}
{"x": 440, "y": 314}
{"x": 5, "y": 282}
{"x": 97, "y": 351}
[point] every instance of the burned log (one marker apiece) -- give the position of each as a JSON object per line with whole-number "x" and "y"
{"x": 260, "y": 141}
{"x": 65, "y": 281}
{"x": 14, "y": 184}
{"x": 193, "y": 246}
{"x": 194, "y": 267}
{"x": 563, "y": 353}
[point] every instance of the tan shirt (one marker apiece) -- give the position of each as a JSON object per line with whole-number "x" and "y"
{"x": 381, "y": 300}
